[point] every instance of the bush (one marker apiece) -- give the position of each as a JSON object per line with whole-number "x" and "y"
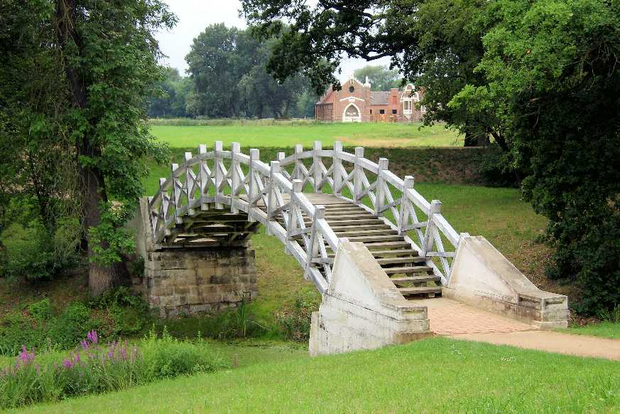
{"x": 295, "y": 321}
{"x": 34, "y": 252}
{"x": 116, "y": 313}
{"x": 94, "y": 369}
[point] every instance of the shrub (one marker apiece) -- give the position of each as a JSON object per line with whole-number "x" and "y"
{"x": 295, "y": 321}
{"x": 36, "y": 253}
{"x": 94, "y": 369}
{"x": 116, "y": 313}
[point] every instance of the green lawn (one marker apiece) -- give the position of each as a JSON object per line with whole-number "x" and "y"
{"x": 603, "y": 329}
{"x": 287, "y": 135}
{"x": 434, "y": 375}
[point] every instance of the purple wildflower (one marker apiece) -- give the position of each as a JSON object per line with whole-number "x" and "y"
{"x": 67, "y": 363}
{"x": 84, "y": 344}
{"x": 26, "y": 356}
{"x": 93, "y": 337}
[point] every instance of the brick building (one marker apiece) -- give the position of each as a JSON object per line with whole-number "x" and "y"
{"x": 355, "y": 102}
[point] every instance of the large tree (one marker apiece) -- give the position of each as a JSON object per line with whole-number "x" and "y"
{"x": 380, "y": 77}
{"x": 92, "y": 65}
{"x": 170, "y": 99}
{"x": 227, "y": 67}
{"x": 553, "y": 77}
{"x": 433, "y": 43}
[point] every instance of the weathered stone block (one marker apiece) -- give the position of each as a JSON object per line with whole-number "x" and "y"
{"x": 185, "y": 281}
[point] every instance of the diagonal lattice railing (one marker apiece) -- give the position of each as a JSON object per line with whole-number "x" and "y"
{"x": 274, "y": 196}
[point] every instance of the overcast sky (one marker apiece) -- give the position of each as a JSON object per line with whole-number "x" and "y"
{"x": 195, "y": 15}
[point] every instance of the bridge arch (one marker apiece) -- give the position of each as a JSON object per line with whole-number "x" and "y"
{"x": 365, "y": 237}
{"x": 232, "y": 184}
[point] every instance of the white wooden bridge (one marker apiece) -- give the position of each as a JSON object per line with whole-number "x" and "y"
{"x": 311, "y": 200}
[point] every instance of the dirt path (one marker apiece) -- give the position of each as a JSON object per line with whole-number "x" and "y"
{"x": 459, "y": 321}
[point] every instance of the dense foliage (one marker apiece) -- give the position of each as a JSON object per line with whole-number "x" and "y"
{"x": 115, "y": 314}
{"x": 73, "y": 86}
{"x": 170, "y": 99}
{"x": 380, "y": 77}
{"x": 542, "y": 78}
{"x": 94, "y": 368}
{"x": 553, "y": 79}
{"x": 228, "y": 75}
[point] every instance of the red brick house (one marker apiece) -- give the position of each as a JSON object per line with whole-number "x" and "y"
{"x": 355, "y": 102}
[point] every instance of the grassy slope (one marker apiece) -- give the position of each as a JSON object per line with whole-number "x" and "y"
{"x": 287, "y": 135}
{"x": 434, "y": 375}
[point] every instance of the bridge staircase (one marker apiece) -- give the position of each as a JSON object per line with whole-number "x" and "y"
{"x": 409, "y": 272}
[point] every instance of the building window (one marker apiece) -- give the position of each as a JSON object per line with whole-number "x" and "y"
{"x": 371, "y": 112}
{"x": 394, "y": 111}
{"x": 351, "y": 89}
{"x": 381, "y": 111}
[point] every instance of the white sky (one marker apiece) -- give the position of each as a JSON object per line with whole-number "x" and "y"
{"x": 195, "y": 15}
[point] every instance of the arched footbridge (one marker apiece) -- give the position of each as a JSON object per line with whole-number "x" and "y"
{"x": 311, "y": 200}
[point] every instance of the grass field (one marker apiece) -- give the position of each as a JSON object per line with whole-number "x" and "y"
{"x": 433, "y": 375}
{"x": 603, "y": 329}
{"x": 287, "y": 135}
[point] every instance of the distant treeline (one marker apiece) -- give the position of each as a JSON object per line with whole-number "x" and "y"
{"x": 228, "y": 79}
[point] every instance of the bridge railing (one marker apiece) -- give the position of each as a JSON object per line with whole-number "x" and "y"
{"x": 372, "y": 185}
{"x": 273, "y": 195}
{"x": 222, "y": 179}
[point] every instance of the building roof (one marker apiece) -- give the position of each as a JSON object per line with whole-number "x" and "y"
{"x": 379, "y": 97}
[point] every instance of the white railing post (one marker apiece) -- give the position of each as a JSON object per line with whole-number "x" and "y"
{"x": 164, "y": 202}
{"x": 234, "y": 176}
{"x": 297, "y": 171}
{"x": 312, "y": 247}
{"x": 190, "y": 180}
{"x": 403, "y": 213}
{"x": 358, "y": 184}
{"x": 177, "y": 190}
{"x": 203, "y": 179}
{"x": 337, "y": 168}
{"x": 381, "y": 184}
{"x": 316, "y": 165}
{"x": 427, "y": 245}
{"x": 217, "y": 172}
{"x": 271, "y": 198}
{"x": 293, "y": 216}
{"x": 253, "y": 190}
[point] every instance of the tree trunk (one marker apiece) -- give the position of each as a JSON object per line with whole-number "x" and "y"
{"x": 470, "y": 139}
{"x": 100, "y": 278}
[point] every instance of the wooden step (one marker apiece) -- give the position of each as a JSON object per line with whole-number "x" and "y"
{"x": 398, "y": 260}
{"x": 353, "y": 220}
{"x": 371, "y": 239}
{"x": 415, "y": 279}
{"x": 406, "y": 270}
{"x": 345, "y": 207}
{"x": 366, "y": 227}
{"x": 404, "y": 252}
{"x": 421, "y": 290}
{"x": 361, "y": 230}
{"x": 386, "y": 245}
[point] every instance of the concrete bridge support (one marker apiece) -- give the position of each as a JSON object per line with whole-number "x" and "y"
{"x": 206, "y": 276}
{"x": 362, "y": 309}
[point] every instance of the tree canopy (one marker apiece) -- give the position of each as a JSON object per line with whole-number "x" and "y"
{"x": 227, "y": 68}
{"x": 541, "y": 78}
{"x": 75, "y": 79}
{"x": 381, "y": 78}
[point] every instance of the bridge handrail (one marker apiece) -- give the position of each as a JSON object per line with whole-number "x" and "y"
{"x": 355, "y": 179}
{"x": 259, "y": 192}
